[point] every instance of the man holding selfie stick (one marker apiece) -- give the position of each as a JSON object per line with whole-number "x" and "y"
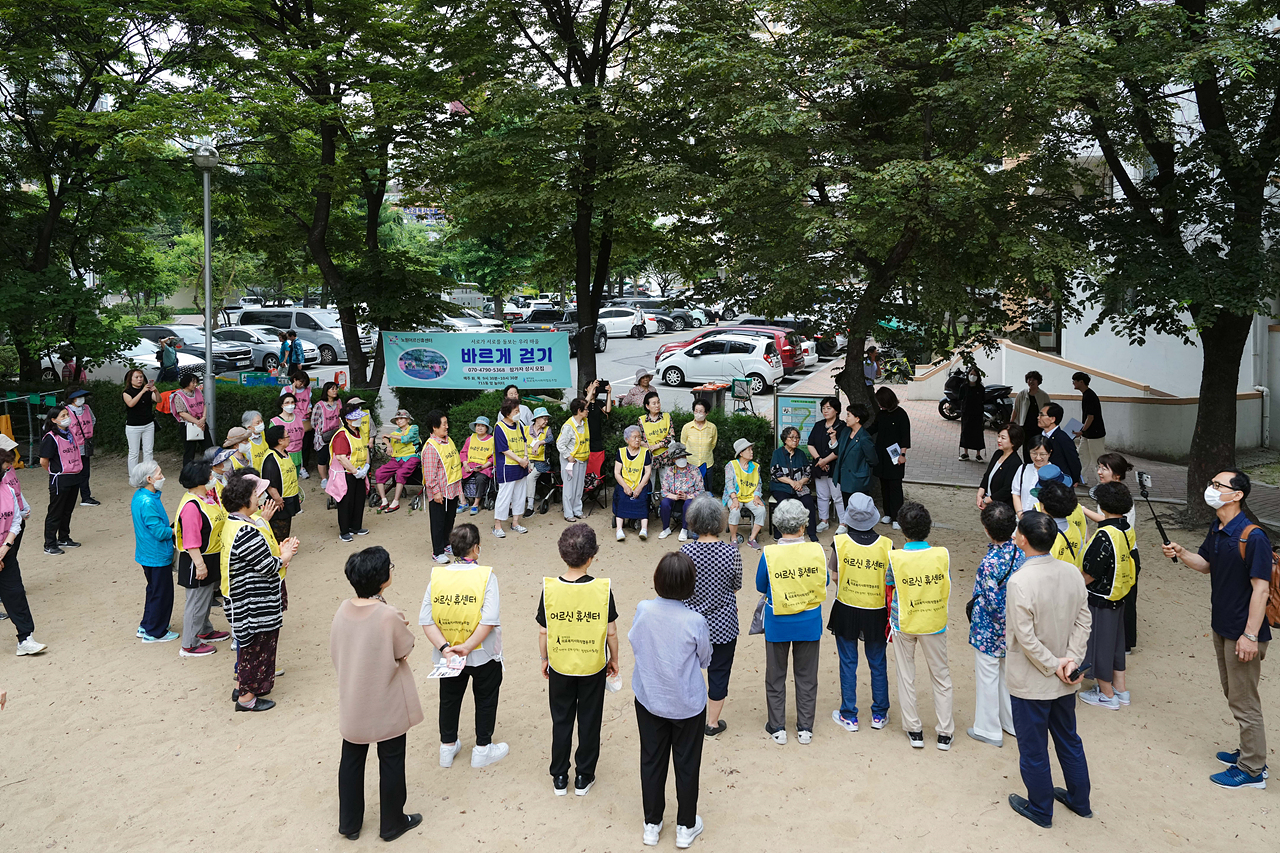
{"x": 1047, "y": 625}
{"x": 1236, "y": 556}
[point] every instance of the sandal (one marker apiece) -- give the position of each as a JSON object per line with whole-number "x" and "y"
{"x": 389, "y": 508}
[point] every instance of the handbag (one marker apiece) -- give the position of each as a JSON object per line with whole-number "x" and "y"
{"x": 968, "y": 607}
{"x": 194, "y": 432}
{"x": 757, "y": 618}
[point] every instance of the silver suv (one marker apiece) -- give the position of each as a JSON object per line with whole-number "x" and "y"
{"x": 318, "y": 326}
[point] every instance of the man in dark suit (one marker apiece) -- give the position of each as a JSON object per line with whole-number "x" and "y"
{"x": 1062, "y": 450}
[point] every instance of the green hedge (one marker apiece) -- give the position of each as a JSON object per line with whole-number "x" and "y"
{"x": 107, "y": 403}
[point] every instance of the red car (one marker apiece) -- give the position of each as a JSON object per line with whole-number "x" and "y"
{"x": 788, "y": 342}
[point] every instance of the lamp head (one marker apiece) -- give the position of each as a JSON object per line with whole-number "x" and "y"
{"x": 205, "y": 157}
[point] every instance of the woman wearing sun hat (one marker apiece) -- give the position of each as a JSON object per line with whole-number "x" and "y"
{"x": 539, "y": 437}
{"x": 348, "y": 473}
{"x": 477, "y": 464}
{"x": 635, "y": 396}
{"x": 402, "y": 444}
{"x": 744, "y": 492}
{"x": 681, "y": 483}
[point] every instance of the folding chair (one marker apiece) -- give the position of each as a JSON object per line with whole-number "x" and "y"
{"x": 594, "y": 483}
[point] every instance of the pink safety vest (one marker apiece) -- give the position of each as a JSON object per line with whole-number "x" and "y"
{"x": 81, "y": 425}
{"x": 304, "y": 400}
{"x": 8, "y": 508}
{"x": 294, "y": 430}
{"x": 69, "y": 454}
{"x": 330, "y": 418}
{"x": 11, "y": 479}
{"x": 195, "y": 405}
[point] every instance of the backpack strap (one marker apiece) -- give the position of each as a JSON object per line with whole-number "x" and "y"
{"x": 1244, "y": 538}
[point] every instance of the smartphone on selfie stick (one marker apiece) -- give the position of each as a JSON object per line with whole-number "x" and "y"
{"x": 1144, "y": 485}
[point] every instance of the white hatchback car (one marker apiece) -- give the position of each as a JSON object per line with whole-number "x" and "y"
{"x": 722, "y": 359}
{"x": 623, "y": 320}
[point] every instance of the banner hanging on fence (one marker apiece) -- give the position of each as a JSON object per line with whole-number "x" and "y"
{"x": 457, "y": 360}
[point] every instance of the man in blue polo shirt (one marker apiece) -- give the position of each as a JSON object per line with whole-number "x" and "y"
{"x": 1238, "y": 603}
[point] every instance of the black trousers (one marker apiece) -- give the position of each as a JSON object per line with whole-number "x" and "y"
{"x": 308, "y": 448}
{"x": 192, "y": 448}
{"x": 809, "y": 501}
{"x": 892, "y": 492}
{"x": 1131, "y": 614}
{"x": 57, "y": 521}
{"x": 13, "y": 595}
{"x": 486, "y": 680}
{"x": 442, "y": 516}
{"x": 580, "y": 697}
{"x": 664, "y": 741}
{"x": 85, "y": 494}
{"x": 392, "y": 791}
{"x": 157, "y": 611}
{"x": 351, "y": 507}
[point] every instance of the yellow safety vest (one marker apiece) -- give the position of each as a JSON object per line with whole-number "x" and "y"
{"x": 797, "y": 577}
{"x": 1122, "y": 544}
{"x": 480, "y": 450}
{"x": 448, "y": 453}
{"x": 258, "y": 451}
{"x": 862, "y": 569}
{"x": 577, "y": 624}
{"x": 229, "y": 531}
{"x": 288, "y": 475}
{"x": 365, "y": 425}
{"x": 515, "y": 440}
{"x": 747, "y": 481}
{"x": 923, "y": 583}
{"x": 401, "y": 449}
{"x": 216, "y": 516}
{"x": 656, "y": 431}
{"x": 632, "y": 469}
{"x": 456, "y": 598}
{"x": 581, "y": 439}
{"x": 236, "y": 464}
{"x": 1077, "y": 522}
{"x": 359, "y": 450}
{"x": 539, "y": 455}
{"x": 1069, "y": 547}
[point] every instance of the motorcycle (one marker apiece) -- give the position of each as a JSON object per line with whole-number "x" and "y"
{"x": 997, "y": 405}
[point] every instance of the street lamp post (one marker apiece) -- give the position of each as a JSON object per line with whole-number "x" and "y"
{"x": 205, "y": 158}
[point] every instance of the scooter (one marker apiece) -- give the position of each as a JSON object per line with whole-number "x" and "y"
{"x": 997, "y": 406}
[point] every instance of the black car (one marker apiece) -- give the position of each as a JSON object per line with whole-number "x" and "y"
{"x": 555, "y": 320}
{"x": 227, "y": 357}
{"x": 670, "y": 318}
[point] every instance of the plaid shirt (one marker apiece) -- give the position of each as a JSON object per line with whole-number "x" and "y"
{"x": 433, "y": 476}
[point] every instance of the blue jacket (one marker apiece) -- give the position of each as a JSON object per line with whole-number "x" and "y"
{"x": 152, "y": 533}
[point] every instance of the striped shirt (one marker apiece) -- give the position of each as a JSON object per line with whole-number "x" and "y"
{"x": 255, "y": 602}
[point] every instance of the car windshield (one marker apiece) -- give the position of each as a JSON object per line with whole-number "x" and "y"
{"x": 190, "y": 335}
{"x": 544, "y": 315}
{"x": 327, "y": 319}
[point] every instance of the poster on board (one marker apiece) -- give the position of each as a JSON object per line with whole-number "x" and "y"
{"x": 457, "y": 360}
{"x": 798, "y": 411}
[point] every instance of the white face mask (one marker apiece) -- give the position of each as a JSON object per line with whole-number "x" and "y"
{"x": 1213, "y": 497}
{"x": 159, "y": 484}
{"x": 682, "y": 463}
{"x": 699, "y": 416}
{"x": 221, "y": 478}
{"x": 213, "y": 482}
{"x": 64, "y": 423}
{"x": 244, "y": 448}
{"x": 288, "y": 408}
{"x": 259, "y": 428}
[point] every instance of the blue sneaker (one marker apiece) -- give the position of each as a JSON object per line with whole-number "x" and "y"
{"x": 849, "y": 724}
{"x": 142, "y": 635}
{"x": 1231, "y": 758}
{"x": 169, "y": 637}
{"x": 475, "y": 510}
{"x": 1234, "y": 777}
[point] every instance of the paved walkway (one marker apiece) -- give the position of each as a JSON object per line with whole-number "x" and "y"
{"x": 935, "y": 448}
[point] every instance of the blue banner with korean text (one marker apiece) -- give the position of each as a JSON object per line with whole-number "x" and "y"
{"x": 457, "y": 360}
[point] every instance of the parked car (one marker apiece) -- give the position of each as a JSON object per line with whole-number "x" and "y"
{"x": 485, "y": 320}
{"x": 142, "y": 355}
{"x": 317, "y": 325}
{"x": 701, "y": 317}
{"x": 829, "y": 341}
{"x": 621, "y": 321}
{"x": 788, "y": 343}
{"x": 264, "y": 343}
{"x": 251, "y": 302}
{"x": 227, "y": 357}
{"x": 723, "y": 358}
{"x": 810, "y": 350}
{"x": 674, "y": 319}
{"x": 554, "y": 320}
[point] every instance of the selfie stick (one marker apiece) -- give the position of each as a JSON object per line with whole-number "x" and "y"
{"x": 1142, "y": 486}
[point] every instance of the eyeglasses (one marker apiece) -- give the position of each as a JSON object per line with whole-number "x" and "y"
{"x": 391, "y": 566}
{"x": 1220, "y": 487}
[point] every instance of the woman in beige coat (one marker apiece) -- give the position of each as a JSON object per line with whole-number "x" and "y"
{"x": 378, "y": 703}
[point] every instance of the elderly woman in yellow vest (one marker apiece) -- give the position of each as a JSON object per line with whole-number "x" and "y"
{"x": 349, "y": 474}
{"x": 539, "y": 437}
{"x": 793, "y": 577}
{"x": 282, "y": 481}
{"x": 574, "y": 445}
{"x": 197, "y": 529}
{"x": 1059, "y": 502}
{"x": 1110, "y": 569}
{"x": 441, "y": 482}
{"x": 402, "y": 445}
{"x": 920, "y": 575}
{"x": 632, "y": 470}
{"x": 578, "y": 641}
{"x": 858, "y": 563}
{"x": 257, "y": 427}
{"x": 511, "y": 465}
{"x": 252, "y": 564}
{"x": 237, "y": 441}
{"x": 477, "y": 465}
{"x": 744, "y": 492}
{"x": 460, "y": 619}
{"x": 656, "y": 424}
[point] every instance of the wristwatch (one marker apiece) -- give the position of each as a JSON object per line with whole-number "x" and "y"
{"x": 1253, "y": 638}
{"x": 445, "y": 646}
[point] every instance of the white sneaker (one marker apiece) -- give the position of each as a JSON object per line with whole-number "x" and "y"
{"x": 303, "y": 475}
{"x": 30, "y": 646}
{"x": 448, "y": 751}
{"x": 841, "y": 530}
{"x": 685, "y": 836}
{"x": 1123, "y": 696}
{"x": 779, "y": 737}
{"x": 666, "y": 531}
{"x": 442, "y": 559}
{"x": 518, "y": 529}
{"x": 500, "y": 533}
{"x": 1098, "y": 699}
{"x": 622, "y": 537}
{"x": 684, "y": 535}
{"x": 483, "y": 756}
{"x": 844, "y": 723}
{"x": 804, "y": 737}
{"x": 897, "y": 526}
{"x": 822, "y": 525}
{"x": 652, "y": 831}
{"x": 884, "y": 519}
{"x": 324, "y": 484}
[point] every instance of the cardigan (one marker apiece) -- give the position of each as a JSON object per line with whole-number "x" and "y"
{"x": 377, "y": 696}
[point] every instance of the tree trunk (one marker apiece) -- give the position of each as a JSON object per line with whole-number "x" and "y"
{"x": 1213, "y": 442}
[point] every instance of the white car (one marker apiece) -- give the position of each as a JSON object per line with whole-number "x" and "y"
{"x": 810, "y": 350}
{"x": 485, "y": 321}
{"x": 264, "y": 343}
{"x": 621, "y": 321}
{"x": 141, "y": 355}
{"x": 724, "y": 358}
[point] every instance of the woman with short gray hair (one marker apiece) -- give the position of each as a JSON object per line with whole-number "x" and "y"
{"x": 253, "y": 422}
{"x": 718, "y": 577}
{"x": 153, "y": 549}
{"x": 793, "y": 577}
{"x": 632, "y": 471}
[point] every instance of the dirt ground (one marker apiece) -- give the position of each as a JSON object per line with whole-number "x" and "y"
{"x": 112, "y": 745}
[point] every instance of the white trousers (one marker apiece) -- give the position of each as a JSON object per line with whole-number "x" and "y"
{"x": 574, "y": 481}
{"x": 510, "y": 500}
{"x": 530, "y": 486}
{"x": 828, "y": 493}
{"x": 142, "y": 442}
{"x": 992, "y": 709}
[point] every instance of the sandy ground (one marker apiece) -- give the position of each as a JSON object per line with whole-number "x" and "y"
{"x": 109, "y": 744}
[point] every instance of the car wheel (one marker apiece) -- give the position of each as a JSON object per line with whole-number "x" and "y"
{"x": 49, "y": 375}
{"x": 697, "y": 324}
{"x": 270, "y": 362}
{"x": 673, "y": 376}
{"x": 949, "y": 410}
{"x": 664, "y": 326}
{"x": 729, "y": 314}
{"x": 601, "y": 343}
{"x": 758, "y": 385}
{"x": 677, "y": 324}
{"x": 328, "y": 355}
{"x": 637, "y": 332}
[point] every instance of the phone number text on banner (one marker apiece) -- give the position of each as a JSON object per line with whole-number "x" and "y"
{"x": 455, "y": 360}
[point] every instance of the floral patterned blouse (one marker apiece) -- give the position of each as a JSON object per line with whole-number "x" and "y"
{"x": 986, "y": 631}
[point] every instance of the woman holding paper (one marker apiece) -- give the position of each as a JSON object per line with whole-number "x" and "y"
{"x": 348, "y": 470}
{"x": 460, "y": 619}
{"x": 892, "y": 431}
